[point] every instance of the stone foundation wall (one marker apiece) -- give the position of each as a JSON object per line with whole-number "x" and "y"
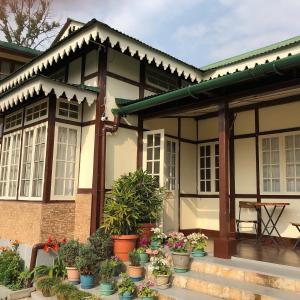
{"x": 83, "y": 204}
{"x": 32, "y": 223}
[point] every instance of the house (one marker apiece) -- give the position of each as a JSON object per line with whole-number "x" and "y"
{"x": 99, "y": 103}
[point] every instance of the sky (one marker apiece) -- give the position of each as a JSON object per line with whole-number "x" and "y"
{"x": 197, "y": 31}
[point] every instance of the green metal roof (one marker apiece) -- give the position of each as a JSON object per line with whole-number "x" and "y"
{"x": 17, "y": 48}
{"x": 270, "y": 68}
{"x": 251, "y": 54}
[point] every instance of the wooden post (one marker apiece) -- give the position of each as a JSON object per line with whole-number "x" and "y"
{"x": 224, "y": 245}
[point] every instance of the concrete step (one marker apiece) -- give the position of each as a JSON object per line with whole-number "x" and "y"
{"x": 227, "y": 288}
{"x": 265, "y": 274}
{"x": 183, "y": 294}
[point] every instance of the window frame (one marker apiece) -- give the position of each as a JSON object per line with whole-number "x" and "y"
{"x": 77, "y": 162}
{"x": 282, "y": 163}
{"x": 10, "y": 115}
{"x": 39, "y": 118}
{"x": 166, "y": 175}
{"x": 213, "y": 177}
{"x": 10, "y": 136}
{"x": 62, "y": 100}
{"x": 35, "y": 127}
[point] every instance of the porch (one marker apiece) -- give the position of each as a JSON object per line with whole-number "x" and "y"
{"x": 221, "y": 134}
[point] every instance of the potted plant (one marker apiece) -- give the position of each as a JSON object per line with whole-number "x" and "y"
{"x": 126, "y": 287}
{"x": 135, "y": 270}
{"x": 145, "y": 292}
{"x": 198, "y": 242}
{"x": 63, "y": 290}
{"x": 121, "y": 215}
{"x": 142, "y": 251}
{"x": 157, "y": 238}
{"x": 45, "y": 285}
{"x": 107, "y": 269}
{"x": 86, "y": 263}
{"x": 178, "y": 245}
{"x": 149, "y": 197}
{"x": 161, "y": 270}
{"x": 68, "y": 253}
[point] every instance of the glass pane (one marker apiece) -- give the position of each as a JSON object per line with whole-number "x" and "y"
{"x": 266, "y": 172}
{"x": 289, "y": 156}
{"x": 297, "y": 155}
{"x": 275, "y": 185}
{"x": 266, "y": 158}
{"x": 201, "y": 151}
{"x": 275, "y": 143}
{"x": 265, "y": 144}
{"x": 290, "y": 185}
{"x": 289, "y": 142}
{"x": 150, "y": 140}
{"x": 156, "y": 167}
{"x": 156, "y": 153}
{"x": 150, "y": 154}
{"x": 297, "y": 141}
{"x": 202, "y": 186}
{"x": 275, "y": 157}
{"x": 267, "y": 185}
{"x": 59, "y": 187}
{"x": 275, "y": 172}
{"x": 297, "y": 185}
{"x": 290, "y": 171}
{"x": 149, "y": 167}
{"x": 157, "y": 140}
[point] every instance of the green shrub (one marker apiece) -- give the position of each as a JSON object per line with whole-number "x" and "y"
{"x": 63, "y": 290}
{"x": 11, "y": 265}
{"x": 46, "y": 285}
{"x": 58, "y": 270}
{"x": 134, "y": 258}
{"x": 87, "y": 262}
{"x": 126, "y": 285}
{"x": 102, "y": 244}
{"x": 68, "y": 252}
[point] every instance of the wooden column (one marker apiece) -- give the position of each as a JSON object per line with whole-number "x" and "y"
{"x": 49, "y": 148}
{"x": 224, "y": 245}
{"x": 99, "y": 159}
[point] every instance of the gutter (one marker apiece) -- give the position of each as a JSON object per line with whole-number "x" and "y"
{"x": 275, "y": 67}
{"x": 34, "y": 253}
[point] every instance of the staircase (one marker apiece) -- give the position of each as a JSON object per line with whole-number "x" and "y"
{"x": 213, "y": 278}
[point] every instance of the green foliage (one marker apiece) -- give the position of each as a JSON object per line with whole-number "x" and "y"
{"x": 134, "y": 199}
{"x": 126, "y": 284}
{"x": 24, "y": 280}
{"x": 27, "y": 23}
{"x": 107, "y": 270}
{"x": 11, "y": 265}
{"x": 58, "y": 270}
{"x": 87, "y": 262}
{"x": 134, "y": 258}
{"x": 63, "y": 290}
{"x": 46, "y": 285}
{"x": 80, "y": 295}
{"x": 68, "y": 252}
{"x": 102, "y": 244}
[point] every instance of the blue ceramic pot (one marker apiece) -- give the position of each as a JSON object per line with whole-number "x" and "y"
{"x": 144, "y": 258}
{"x": 155, "y": 245}
{"x": 198, "y": 253}
{"x": 86, "y": 281}
{"x": 106, "y": 289}
{"x": 126, "y": 296}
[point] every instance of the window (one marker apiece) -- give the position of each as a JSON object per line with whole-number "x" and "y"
{"x": 280, "y": 163}
{"x": 170, "y": 173}
{"x": 33, "y": 161}
{"x": 161, "y": 79}
{"x": 68, "y": 110}
{"x": 209, "y": 167}
{"x": 9, "y": 167}
{"x": 36, "y": 112}
{"x": 271, "y": 164}
{"x": 13, "y": 120}
{"x": 66, "y": 158}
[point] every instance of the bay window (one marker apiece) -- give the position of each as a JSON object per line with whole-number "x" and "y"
{"x": 65, "y": 163}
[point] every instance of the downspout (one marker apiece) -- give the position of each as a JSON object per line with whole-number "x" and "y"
{"x": 34, "y": 253}
{"x": 107, "y": 128}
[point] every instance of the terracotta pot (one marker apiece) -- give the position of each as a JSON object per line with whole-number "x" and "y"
{"x": 145, "y": 231}
{"x": 136, "y": 273}
{"x": 123, "y": 244}
{"x": 73, "y": 275}
{"x": 181, "y": 262}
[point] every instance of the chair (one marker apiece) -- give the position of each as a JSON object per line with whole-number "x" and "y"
{"x": 246, "y": 205}
{"x": 297, "y": 225}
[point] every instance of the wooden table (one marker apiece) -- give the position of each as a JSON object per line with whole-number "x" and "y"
{"x": 270, "y": 226}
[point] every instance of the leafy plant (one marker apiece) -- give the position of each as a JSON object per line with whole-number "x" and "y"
{"x": 159, "y": 265}
{"x": 11, "y": 265}
{"x": 144, "y": 289}
{"x": 107, "y": 270}
{"x": 87, "y": 261}
{"x": 126, "y": 285}
{"x": 80, "y": 295}
{"x": 102, "y": 244}
{"x": 63, "y": 290}
{"x": 58, "y": 270}
{"x": 24, "y": 280}
{"x": 134, "y": 258}
{"x": 177, "y": 242}
{"x": 68, "y": 252}
{"x": 198, "y": 241}
{"x": 46, "y": 284}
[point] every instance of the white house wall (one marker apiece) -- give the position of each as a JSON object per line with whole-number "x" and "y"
{"x": 170, "y": 125}
{"x": 91, "y": 62}
{"x": 189, "y": 129}
{"x": 74, "y": 75}
{"x": 208, "y": 129}
{"x": 121, "y": 154}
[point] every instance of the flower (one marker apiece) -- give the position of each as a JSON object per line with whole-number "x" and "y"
{"x": 198, "y": 241}
{"x": 144, "y": 289}
{"x": 158, "y": 234}
{"x": 177, "y": 242}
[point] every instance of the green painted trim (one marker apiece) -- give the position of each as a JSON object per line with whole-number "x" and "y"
{"x": 21, "y": 49}
{"x": 252, "y": 54}
{"x": 209, "y": 85}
